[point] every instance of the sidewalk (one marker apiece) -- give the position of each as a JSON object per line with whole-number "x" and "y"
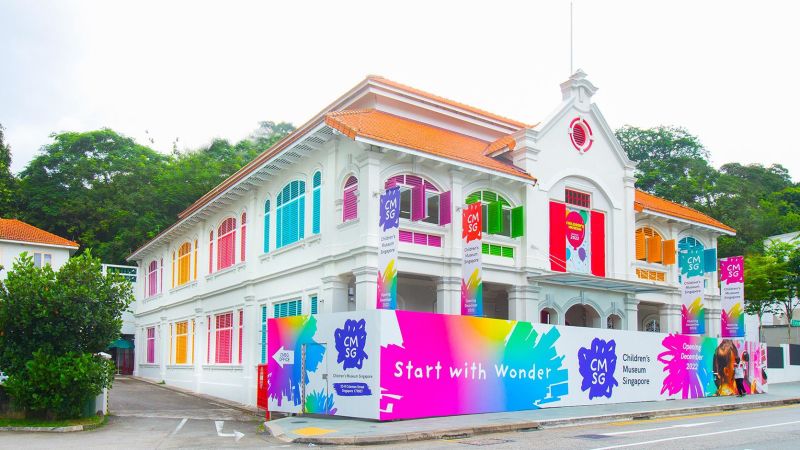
{"x": 343, "y": 431}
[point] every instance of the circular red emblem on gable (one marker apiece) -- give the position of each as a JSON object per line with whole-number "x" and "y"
{"x": 580, "y": 133}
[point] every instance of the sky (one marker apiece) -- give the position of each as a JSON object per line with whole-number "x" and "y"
{"x": 195, "y": 71}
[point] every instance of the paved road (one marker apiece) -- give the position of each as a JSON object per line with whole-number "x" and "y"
{"x": 148, "y": 416}
{"x": 768, "y": 428}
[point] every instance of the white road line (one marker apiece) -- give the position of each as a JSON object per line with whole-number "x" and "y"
{"x": 236, "y": 435}
{"x": 698, "y": 435}
{"x": 684, "y": 425}
{"x": 180, "y": 425}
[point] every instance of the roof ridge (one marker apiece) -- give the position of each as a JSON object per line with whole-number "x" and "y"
{"x": 21, "y": 236}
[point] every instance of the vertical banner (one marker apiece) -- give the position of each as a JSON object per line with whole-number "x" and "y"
{"x": 577, "y": 255}
{"x": 471, "y": 279}
{"x": 388, "y": 237}
{"x": 693, "y": 313}
{"x": 731, "y": 277}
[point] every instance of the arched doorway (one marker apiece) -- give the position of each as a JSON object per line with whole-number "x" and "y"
{"x": 614, "y": 322}
{"x": 548, "y": 316}
{"x": 582, "y": 316}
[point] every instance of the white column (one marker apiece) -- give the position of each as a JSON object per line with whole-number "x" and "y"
{"x": 250, "y": 356}
{"x": 200, "y": 346}
{"x": 366, "y": 287}
{"x": 448, "y": 295}
{"x": 164, "y": 336}
{"x": 631, "y": 313}
{"x": 523, "y": 303}
{"x": 333, "y": 295}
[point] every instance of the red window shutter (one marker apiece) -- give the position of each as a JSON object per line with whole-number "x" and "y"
{"x": 244, "y": 236}
{"x": 241, "y": 333}
{"x": 558, "y": 237}
{"x": 208, "y": 341}
{"x": 597, "y": 228}
{"x": 445, "y": 211}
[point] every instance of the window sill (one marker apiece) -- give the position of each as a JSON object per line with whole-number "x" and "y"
{"x": 348, "y": 224}
{"x": 499, "y": 239}
{"x": 150, "y": 365}
{"x": 223, "y": 367}
{"x": 180, "y": 366}
{"x": 234, "y": 268}
{"x": 191, "y": 284}
{"x": 313, "y": 239}
{"x": 153, "y": 298}
{"x": 423, "y": 227}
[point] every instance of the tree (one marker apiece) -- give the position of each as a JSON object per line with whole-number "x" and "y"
{"x": 763, "y": 284}
{"x": 788, "y": 256}
{"x": 8, "y": 183}
{"x": 52, "y": 324}
{"x": 671, "y": 163}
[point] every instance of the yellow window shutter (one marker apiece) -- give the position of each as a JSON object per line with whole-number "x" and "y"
{"x": 654, "y": 249}
{"x": 641, "y": 252}
{"x": 669, "y": 252}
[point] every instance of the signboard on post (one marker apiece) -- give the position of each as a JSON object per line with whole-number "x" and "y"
{"x": 731, "y": 277}
{"x": 389, "y": 233}
{"x": 693, "y": 313}
{"x": 472, "y": 276}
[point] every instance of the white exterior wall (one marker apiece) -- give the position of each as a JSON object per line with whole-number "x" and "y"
{"x": 10, "y": 251}
{"x": 340, "y": 264}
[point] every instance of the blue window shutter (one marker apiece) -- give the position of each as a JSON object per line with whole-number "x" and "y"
{"x": 264, "y": 334}
{"x": 314, "y": 309}
{"x": 710, "y": 260}
{"x": 266, "y": 233}
{"x": 301, "y": 222}
{"x": 317, "y": 206}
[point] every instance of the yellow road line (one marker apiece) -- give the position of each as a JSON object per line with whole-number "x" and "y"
{"x": 693, "y": 416}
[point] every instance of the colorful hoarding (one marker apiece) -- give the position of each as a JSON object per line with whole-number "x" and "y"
{"x": 472, "y": 277}
{"x": 392, "y": 365}
{"x": 731, "y": 277}
{"x": 389, "y": 228}
{"x": 693, "y": 312}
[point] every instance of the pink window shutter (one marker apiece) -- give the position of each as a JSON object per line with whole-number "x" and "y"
{"x": 418, "y": 210}
{"x": 241, "y": 333}
{"x": 244, "y": 236}
{"x": 208, "y": 341}
{"x": 445, "y": 210}
{"x": 349, "y": 204}
{"x": 435, "y": 241}
{"x": 406, "y": 236}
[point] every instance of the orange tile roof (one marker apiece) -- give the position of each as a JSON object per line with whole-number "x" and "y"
{"x": 650, "y": 202}
{"x": 391, "y": 129}
{"x": 15, "y": 230}
{"x": 501, "y": 143}
{"x": 447, "y": 101}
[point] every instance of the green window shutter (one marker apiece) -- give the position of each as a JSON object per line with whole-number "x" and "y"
{"x": 489, "y": 196}
{"x": 495, "y": 250}
{"x": 517, "y": 222}
{"x": 508, "y": 252}
{"x": 495, "y": 219}
{"x": 485, "y": 248}
{"x": 472, "y": 198}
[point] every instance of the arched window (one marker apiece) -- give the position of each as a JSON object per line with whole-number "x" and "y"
{"x": 421, "y": 200}
{"x": 350, "y": 199}
{"x": 504, "y": 226}
{"x": 290, "y": 209}
{"x": 642, "y": 235}
{"x": 226, "y": 243}
{"x": 689, "y": 242}
{"x": 651, "y": 324}
{"x": 243, "y": 238}
{"x": 266, "y": 226}
{"x": 152, "y": 279}
{"x": 211, "y": 251}
{"x": 316, "y": 199}
{"x": 184, "y": 263}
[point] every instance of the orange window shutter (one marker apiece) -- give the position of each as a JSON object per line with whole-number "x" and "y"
{"x": 641, "y": 251}
{"x": 654, "y": 249}
{"x": 669, "y": 252}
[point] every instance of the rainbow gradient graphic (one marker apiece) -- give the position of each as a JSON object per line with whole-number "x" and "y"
{"x": 387, "y": 286}
{"x": 472, "y": 295}
{"x": 693, "y": 318}
{"x": 688, "y": 363}
{"x": 449, "y": 365}
{"x": 733, "y": 321}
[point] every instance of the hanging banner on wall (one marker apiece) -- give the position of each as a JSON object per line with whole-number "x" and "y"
{"x": 731, "y": 277}
{"x": 388, "y": 238}
{"x": 578, "y": 248}
{"x": 472, "y": 277}
{"x": 693, "y": 313}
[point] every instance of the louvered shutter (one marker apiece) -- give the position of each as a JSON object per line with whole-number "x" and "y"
{"x": 495, "y": 217}
{"x": 558, "y": 236}
{"x": 418, "y": 209}
{"x": 710, "y": 260}
{"x": 517, "y": 222}
{"x": 598, "y": 241}
{"x": 654, "y": 250}
{"x": 445, "y": 209}
{"x": 669, "y": 252}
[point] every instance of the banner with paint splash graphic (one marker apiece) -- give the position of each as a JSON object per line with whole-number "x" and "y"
{"x": 472, "y": 277}
{"x": 731, "y": 277}
{"x": 388, "y": 239}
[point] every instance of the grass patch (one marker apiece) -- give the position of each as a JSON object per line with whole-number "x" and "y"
{"x": 89, "y": 422}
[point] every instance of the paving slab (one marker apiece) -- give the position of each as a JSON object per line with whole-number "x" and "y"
{"x": 326, "y": 430}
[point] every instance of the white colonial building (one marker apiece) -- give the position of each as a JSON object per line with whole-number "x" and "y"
{"x": 568, "y": 238}
{"x": 17, "y": 237}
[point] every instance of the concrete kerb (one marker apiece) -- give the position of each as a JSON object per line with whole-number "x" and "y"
{"x": 456, "y": 433}
{"x": 257, "y": 413}
{"x": 45, "y": 429}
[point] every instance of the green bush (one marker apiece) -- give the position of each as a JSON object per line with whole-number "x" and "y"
{"x": 58, "y": 386}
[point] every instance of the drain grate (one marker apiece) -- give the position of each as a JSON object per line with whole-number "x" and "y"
{"x": 480, "y": 442}
{"x": 592, "y": 436}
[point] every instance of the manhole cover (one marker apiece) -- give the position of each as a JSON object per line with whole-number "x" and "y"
{"x": 484, "y": 441}
{"x": 592, "y": 436}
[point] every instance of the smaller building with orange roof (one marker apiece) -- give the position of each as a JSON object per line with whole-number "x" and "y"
{"x": 17, "y": 237}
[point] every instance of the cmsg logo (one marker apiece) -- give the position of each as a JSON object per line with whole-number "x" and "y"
{"x": 596, "y": 365}
{"x": 350, "y": 342}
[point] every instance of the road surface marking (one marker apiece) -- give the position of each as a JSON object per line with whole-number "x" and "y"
{"x": 684, "y": 425}
{"x": 219, "y": 424}
{"x": 698, "y": 435}
{"x": 695, "y": 416}
{"x": 312, "y": 431}
{"x": 180, "y": 425}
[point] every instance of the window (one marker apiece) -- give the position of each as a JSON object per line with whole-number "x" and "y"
{"x": 184, "y": 263}
{"x": 350, "y": 199}
{"x": 151, "y": 345}
{"x": 195, "y": 260}
{"x": 291, "y": 206}
{"x": 266, "y": 226}
{"x": 421, "y": 200}
{"x": 652, "y": 325}
{"x": 314, "y": 305}
{"x": 316, "y": 199}
{"x": 42, "y": 259}
{"x": 223, "y": 338}
{"x": 211, "y": 251}
{"x": 689, "y": 242}
{"x": 182, "y": 342}
{"x": 226, "y": 247}
{"x": 652, "y": 275}
{"x": 264, "y": 334}
{"x": 243, "y": 237}
{"x": 287, "y": 308}
{"x": 152, "y": 279}
{"x": 497, "y": 250}
{"x": 241, "y": 334}
{"x": 412, "y": 237}
{"x": 642, "y": 235}
{"x": 577, "y": 198}
{"x": 498, "y": 217}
